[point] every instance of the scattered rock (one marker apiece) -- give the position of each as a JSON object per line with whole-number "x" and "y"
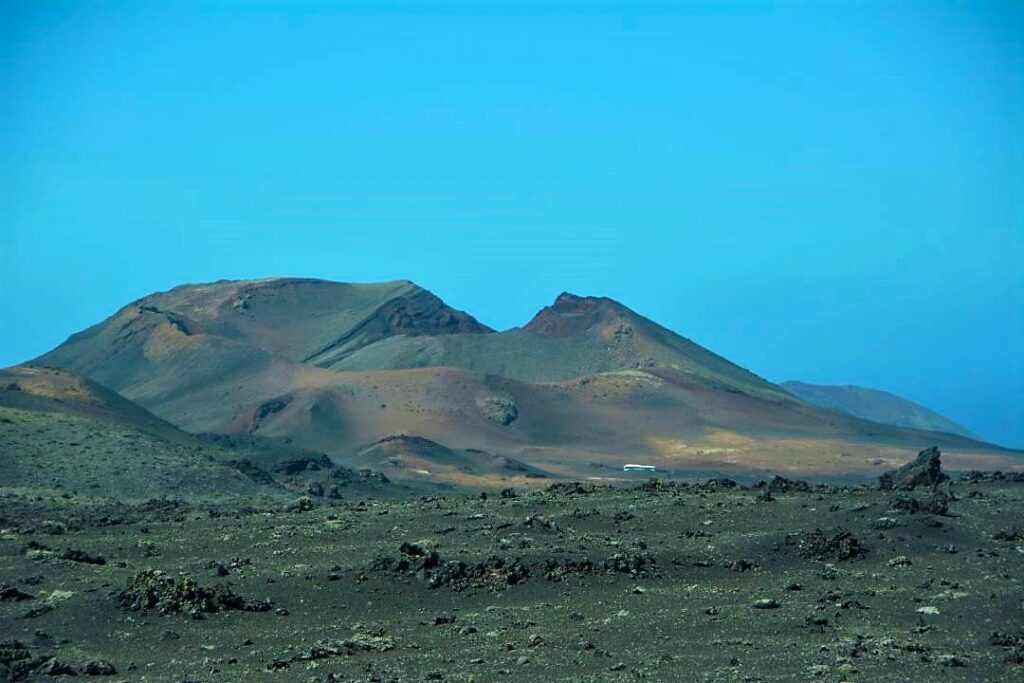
{"x": 55, "y": 667}
{"x": 11, "y": 593}
{"x": 376, "y": 641}
{"x": 303, "y": 504}
{"x": 497, "y": 571}
{"x": 498, "y": 408}
{"x": 38, "y": 611}
{"x": 766, "y": 603}
{"x": 53, "y": 528}
{"x": 951, "y": 660}
{"x": 1013, "y": 644}
{"x": 217, "y": 568}
{"x": 99, "y": 667}
{"x": 976, "y": 477}
{"x": 1009, "y": 535}
{"x": 782, "y": 485}
{"x": 16, "y": 659}
{"x": 428, "y": 566}
{"x": 537, "y": 521}
{"x": 574, "y": 488}
{"x": 76, "y": 555}
{"x": 716, "y": 484}
{"x": 816, "y": 621}
{"x": 840, "y": 546}
{"x": 251, "y": 470}
{"x": 307, "y": 463}
{"x": 152, "y": 589}
{"x": 885, "y": 523}
{"x": 935, "y": 504}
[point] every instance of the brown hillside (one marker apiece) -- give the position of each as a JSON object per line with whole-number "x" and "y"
{"x": 583, "y": 387}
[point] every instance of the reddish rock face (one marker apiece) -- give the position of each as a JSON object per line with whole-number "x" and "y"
{"x": 571, "y": 315}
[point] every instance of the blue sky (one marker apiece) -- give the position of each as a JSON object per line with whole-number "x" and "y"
{"x": 826, "y": 191}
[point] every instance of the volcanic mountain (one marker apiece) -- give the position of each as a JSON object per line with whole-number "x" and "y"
{"x": 583, "y": 387}
{"x": 874, "y": 405}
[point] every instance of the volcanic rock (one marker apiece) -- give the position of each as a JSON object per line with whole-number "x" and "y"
{"x": 925, "y": 470}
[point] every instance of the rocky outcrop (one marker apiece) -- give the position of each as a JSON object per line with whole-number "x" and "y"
{"x": 266, "y": 409}
{"x": 572, "y": 315}
{"x": 498, "y": 408}
{"x": 251, "y": 470}
{"x": 415, "y": 314}
{"x": 839, "y": 546}
{"x": 925, "y": 470}
{"x": 152, "y": 589}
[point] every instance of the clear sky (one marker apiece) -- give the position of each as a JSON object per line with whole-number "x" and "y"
{"x": 825, "y": 191}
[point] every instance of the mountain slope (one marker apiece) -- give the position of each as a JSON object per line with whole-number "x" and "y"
{"x": 61, "y": 391}
{"x": 63, "y": 434}
{"x": 584, "y": 386}
{"x": 874, "y": 405}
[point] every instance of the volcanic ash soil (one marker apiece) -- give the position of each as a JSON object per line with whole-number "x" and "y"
{"x": 662, "y": 582}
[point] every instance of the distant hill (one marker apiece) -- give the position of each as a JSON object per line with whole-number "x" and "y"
{"x": 586, "y": 385}
{"x": 874, "y": 405}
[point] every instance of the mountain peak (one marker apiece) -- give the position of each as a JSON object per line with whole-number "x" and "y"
{"x": 301, "y": 319}
{"x": 571, "y": 314}
{"x": 567, "y": 302}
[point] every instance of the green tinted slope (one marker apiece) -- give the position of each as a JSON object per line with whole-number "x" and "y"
{"x": 61, "y": 433}
{"x": 55, "y": 453}
{"x": 62, "y": 391}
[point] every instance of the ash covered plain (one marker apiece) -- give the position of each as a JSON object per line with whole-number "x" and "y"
{"x": 914, "y": 578}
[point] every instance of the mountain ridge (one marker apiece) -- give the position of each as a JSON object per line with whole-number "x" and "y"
{"x": 333, "y": 367}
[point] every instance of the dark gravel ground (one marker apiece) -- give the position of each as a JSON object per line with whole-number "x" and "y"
{"x": 661, "y": 582}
